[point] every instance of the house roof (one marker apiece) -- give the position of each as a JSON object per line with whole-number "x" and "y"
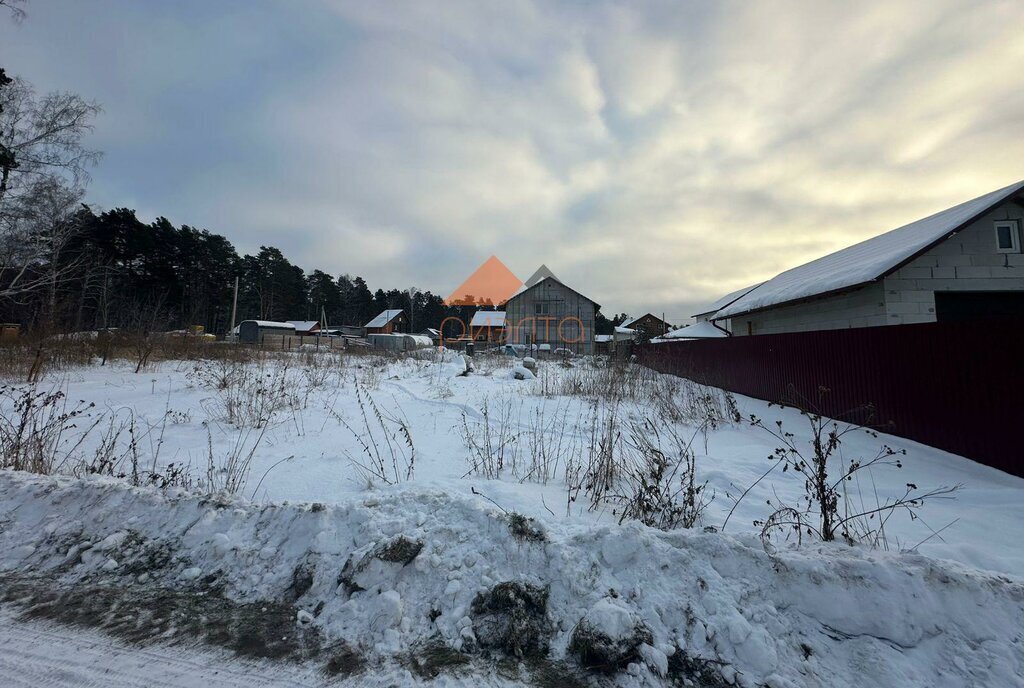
{"x": 701, "y": 330}
{"x": 304, "y": 325}
{"x": 633, "y": 321}
{"x": 727, "y": 299}
{"x": 527, "y": 287}
{"x": 869, "y": 260}
{"x": 268, "y": 323}
{"x": 385, "y": 317}
{"x": 488, "y": 319}
{"x": 603, "y": 337}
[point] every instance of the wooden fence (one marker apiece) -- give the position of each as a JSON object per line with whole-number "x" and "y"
{"x": 955, "y": 386}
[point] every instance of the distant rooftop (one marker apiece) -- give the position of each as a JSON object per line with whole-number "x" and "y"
{"x": 488, "y": 319}
{"x": 701, "y": 330}
{"x": 385, "y": 317}
{"x": 727, "y": 299}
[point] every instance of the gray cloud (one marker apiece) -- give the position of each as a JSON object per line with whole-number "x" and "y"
{"x": 654, "y": 155}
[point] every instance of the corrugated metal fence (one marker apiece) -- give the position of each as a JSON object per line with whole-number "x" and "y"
{"x": 956, "y": 386}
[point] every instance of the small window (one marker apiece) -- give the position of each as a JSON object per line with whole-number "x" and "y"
{"x": 542, "y": 308}
{"x": 1007, "y": 237}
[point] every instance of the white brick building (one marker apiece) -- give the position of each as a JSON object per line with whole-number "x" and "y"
{"x": 962, "y": 263}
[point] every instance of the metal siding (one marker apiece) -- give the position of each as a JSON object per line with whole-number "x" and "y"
{"x": 955, "y": 386}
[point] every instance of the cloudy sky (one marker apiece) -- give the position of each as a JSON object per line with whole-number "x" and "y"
{"x": 653, "y": 155}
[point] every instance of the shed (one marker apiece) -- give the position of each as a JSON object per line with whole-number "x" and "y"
{"x": 306, "y": 327}
{"x": 487, "y": 326}
{"x": 253, "y": 331}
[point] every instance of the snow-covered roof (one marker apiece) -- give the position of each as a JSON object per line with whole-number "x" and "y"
{"x": 701, "y": 330}
{"x": 867, "y": 261}
{"x": 385, "y": 317}
{"x": 603, "y": 337}
{"x": 727, "y": 299}
{"x": 633, "y": 321}
{"x": 619, "y": 329}
{"x": 432, "y": 332}
{"x": 269, "y": 323}
{"x": 304, "y": 325}
{"x": 488, "y": 319}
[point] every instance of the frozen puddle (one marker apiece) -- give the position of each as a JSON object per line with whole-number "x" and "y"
{"x": 108, "y": 584}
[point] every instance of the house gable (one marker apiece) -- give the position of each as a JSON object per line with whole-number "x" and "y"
{"x": 868, "y": 261}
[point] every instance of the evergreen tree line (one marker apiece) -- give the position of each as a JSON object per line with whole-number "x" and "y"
{"x": 117, "y": 271}
{"x": 65, "y": 268}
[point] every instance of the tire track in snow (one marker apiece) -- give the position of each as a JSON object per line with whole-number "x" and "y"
{"x": 477, "y": 416}
{"x": 46, "y": 655}
{"x": 465, "y": 408}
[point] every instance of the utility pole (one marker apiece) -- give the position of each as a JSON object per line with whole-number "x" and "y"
{"x": 234, "y": 311}
{"x": 323, "y": 329}
{"x": 412, "y": 310}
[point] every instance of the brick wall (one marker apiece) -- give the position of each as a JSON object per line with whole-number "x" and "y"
{"x": 966, "y": 262}
{"x": 864, "y": 307}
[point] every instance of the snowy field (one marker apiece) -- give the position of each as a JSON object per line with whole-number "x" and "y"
{"x": 338, "y": 462}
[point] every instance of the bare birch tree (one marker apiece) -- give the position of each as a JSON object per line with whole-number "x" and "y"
{"x": 16, "y": 7}
{"x": 43, "y": 172}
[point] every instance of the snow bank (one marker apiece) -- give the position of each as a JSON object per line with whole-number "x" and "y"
{"x": 418, "y": 562}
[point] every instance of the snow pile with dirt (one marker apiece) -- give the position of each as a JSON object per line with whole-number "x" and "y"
{"x": 424, "y": 582}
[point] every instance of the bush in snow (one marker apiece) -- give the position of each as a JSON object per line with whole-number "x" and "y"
{"x": 657, "y": 480}
{"x": 491, "y": 442}
{"x": 35, "y": 431}
{"x": 389, "y": 454}
{"x": 827, "y": 508}
{"x": 247, "y": 395}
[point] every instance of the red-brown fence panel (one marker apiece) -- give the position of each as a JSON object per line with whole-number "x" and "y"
{"x": 955, "y": 386}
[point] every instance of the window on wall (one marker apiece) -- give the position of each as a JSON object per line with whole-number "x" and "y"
{"x": 1007, "y": 237}
{"x": 543, "y": 308}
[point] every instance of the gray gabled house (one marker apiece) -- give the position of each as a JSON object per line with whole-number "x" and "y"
{"x": 963, "y": 263}
{"x": 547, "y": 312}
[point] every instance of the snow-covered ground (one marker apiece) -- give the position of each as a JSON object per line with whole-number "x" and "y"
{"x": 687, "y": 601}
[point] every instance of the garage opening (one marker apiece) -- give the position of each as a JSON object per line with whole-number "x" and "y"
{"x": 960, "y": 306}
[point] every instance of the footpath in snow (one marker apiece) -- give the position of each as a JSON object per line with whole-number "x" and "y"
{"x": 420, "y": 585}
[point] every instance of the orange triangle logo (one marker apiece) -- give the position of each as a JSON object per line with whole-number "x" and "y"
{"x": 491, "y": 284}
